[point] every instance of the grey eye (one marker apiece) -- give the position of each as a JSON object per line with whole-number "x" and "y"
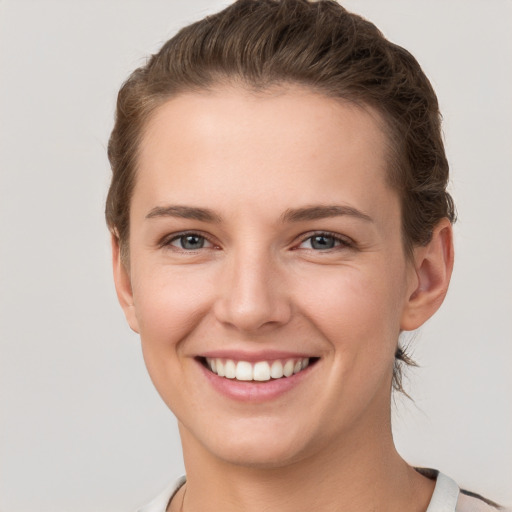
{"x": 189, "y": 242}
{"x": 322, "y": 242}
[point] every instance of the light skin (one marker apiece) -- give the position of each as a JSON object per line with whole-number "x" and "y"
{"x": 294, "y": 246}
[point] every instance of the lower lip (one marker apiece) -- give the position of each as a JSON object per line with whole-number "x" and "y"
{"x": 254, "y": 391}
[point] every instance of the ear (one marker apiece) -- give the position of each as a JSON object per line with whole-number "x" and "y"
{"x": 433, "y": 264}
{"x": 123, "y": 285}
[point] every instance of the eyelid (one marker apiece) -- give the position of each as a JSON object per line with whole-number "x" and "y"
{"x": 345, "y": 241}
{"x": 165, "y": 242}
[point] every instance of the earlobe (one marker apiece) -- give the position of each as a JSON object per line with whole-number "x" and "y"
{"x": 123, "y": 285}
{"x": 433, "y": 269}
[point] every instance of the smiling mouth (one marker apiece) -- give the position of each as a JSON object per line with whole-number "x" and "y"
{"x": 259, "y": 371}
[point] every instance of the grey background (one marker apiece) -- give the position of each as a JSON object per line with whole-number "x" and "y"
{"x": 81, "y": 428}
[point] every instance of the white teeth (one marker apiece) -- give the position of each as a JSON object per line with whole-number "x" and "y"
{"x": 288, "y": 368}
{"x": 276, "y": 370}
{"x": 220, "y": 368}
{"x": 261, "y": 371}
{"x": 230, "y": 369}
{"x": 243, "y": 370}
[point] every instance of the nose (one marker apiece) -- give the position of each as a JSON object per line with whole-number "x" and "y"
{"x": 253, "y": 295}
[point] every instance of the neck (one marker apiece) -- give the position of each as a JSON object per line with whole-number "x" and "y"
{"x": 353, "y": 475}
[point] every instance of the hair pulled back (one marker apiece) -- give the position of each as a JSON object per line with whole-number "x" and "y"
{"x": 320, "y": 45}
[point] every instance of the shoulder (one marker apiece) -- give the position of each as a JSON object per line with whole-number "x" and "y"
{"x": 161, "y": 502}
{"x": 448, "y": 497}
{"x": 472, "y": 502}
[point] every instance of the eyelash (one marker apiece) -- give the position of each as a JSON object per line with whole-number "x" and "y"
{"x": 342, "y": 241}
{"x": 167, "y": 242}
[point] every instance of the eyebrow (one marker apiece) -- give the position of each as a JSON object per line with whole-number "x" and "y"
{"x": 185, "y": 212}
{"x": 290, "y": 215}
{"x": 322, "y": 212}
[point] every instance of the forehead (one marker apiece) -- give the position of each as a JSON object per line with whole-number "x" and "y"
{"x": 283, "y": 144}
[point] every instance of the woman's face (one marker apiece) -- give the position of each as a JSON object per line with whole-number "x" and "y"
{"x": 263, "y": 235}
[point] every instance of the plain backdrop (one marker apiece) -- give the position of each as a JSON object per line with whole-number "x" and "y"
{"x": 81, "y": 428}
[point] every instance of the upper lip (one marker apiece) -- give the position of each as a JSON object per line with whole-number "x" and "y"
{"x": 254, "y": 356}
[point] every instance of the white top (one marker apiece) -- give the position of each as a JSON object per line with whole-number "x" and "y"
{"x": 447, "y": 497}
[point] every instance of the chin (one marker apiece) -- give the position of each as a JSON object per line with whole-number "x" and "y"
{"x": 254, "y": 445}
{"x": 258, "y": 457}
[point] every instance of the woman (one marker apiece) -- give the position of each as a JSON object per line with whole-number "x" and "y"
{"x": 279, "y": 216}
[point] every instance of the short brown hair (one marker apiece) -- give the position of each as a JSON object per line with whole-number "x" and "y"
{"x": 319, "y": 45}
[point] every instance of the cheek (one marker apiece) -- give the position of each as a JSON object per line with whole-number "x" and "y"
{"x": 356, "y": 312}
{"x": 170, "y": 301}
{"x": 357, "y": 309}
